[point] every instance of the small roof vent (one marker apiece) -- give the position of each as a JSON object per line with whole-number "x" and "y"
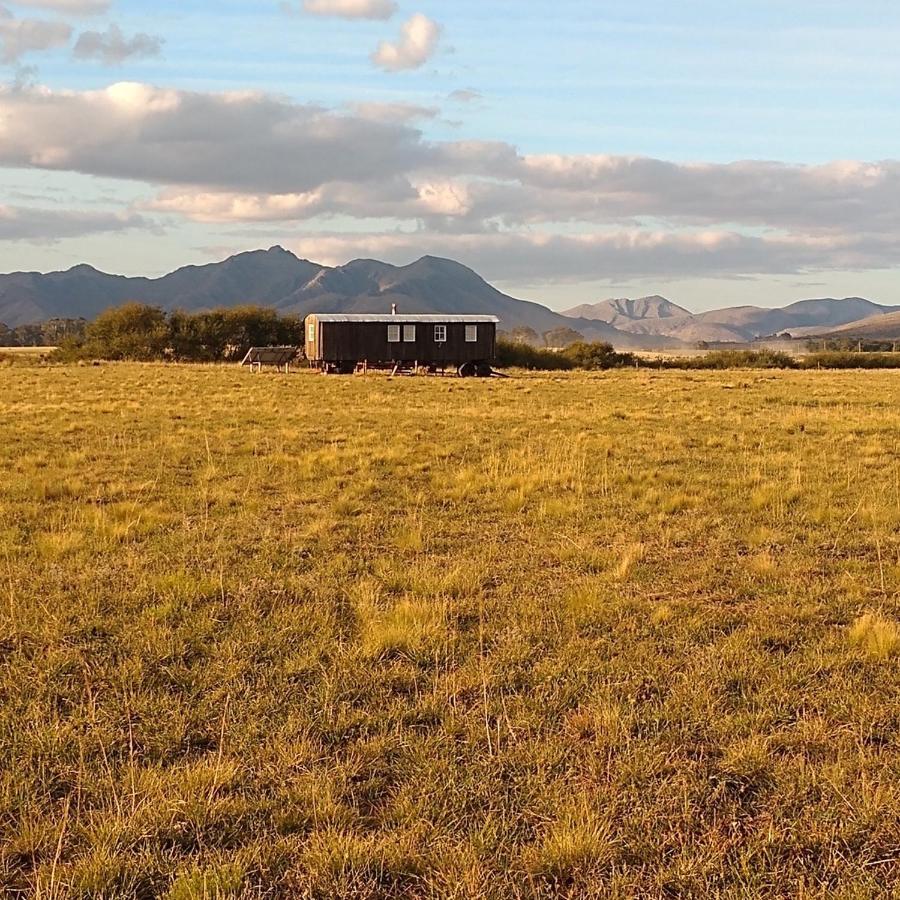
{"x": 393, "y": 309}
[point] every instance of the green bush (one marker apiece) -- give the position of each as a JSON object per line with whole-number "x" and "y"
{"x": 579, "y": 355}
{"x": 834, "y": 359}
{"x": 597, "y": 355}
{"x": 733, "y": 359}
{"x": 144, "y": 333}
{"x": 512, "y": 354}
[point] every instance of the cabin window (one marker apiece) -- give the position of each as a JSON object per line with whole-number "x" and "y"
{"x": 393, "y": 334}
{"x": 409, "y": 334}
{"x": 312, "y": 334}
{"x": 440, "y": 334}
{"x": 471, "y": 334}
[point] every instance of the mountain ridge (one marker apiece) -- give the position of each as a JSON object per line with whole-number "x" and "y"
{"x": 279, "y": 279}
{"x": 738, "y": 324}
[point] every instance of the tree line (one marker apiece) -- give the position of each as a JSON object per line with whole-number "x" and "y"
{"x": 42, "y": 334}
{"x": 145, "y": 333}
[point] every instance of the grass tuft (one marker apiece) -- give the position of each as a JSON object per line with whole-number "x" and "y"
{"x": 877, "y": 636}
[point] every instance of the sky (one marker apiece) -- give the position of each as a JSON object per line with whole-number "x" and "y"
{"x": 716, "y": 153}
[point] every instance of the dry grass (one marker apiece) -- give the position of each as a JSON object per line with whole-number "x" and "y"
{"x": 625, "y": 635}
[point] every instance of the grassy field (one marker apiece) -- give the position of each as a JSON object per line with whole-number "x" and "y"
{"x": 629, "y": 634}
{"x": 24, "y": 354}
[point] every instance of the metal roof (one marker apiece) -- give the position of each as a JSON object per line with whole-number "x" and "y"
{"x": 400, "y": 318}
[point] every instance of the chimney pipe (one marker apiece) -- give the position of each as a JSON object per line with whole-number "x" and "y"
{"x": 393, "y": 309}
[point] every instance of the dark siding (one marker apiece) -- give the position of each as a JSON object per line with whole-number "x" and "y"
{"x": 358, "y": 341}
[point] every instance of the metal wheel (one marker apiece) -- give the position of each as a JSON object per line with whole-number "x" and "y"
{"x": 467, "y": 370}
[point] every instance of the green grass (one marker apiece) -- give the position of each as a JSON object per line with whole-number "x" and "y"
{"x": 631, "y": 634}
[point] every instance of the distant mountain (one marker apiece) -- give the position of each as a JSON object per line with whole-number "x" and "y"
{"x": 623, "y": 311}
{"x": 875, "y": 328}
{"x": 740, "y": 324}
{"x": 278, "y": 279}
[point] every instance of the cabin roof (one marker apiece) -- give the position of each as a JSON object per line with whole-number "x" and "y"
{"x": 400, "y": 318}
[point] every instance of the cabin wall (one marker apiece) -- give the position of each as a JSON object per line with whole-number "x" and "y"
{"x": 311, "y": 334}
{"x": 344, "y": 341}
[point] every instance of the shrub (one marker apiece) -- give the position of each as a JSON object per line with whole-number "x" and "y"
{"x": 144, "y": 333}
{"x": 579, "y": 355}
{"x": 597, "y": 355}
{"x": 563, "y": 337}
{"x": 133, "y": 331}
{"x": 512, "y": 354}
{"x": 735, "y": 359}
{"x": 834, "y": 359}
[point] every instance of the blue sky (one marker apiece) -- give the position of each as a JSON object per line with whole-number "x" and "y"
{"x": 591, "y": 153}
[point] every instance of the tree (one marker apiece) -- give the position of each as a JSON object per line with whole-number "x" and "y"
{"x": 525, "y": 335}
{"x": 563, "y": 337}
{"x": 597, "y": 355}
{"x": 133, "y": 331}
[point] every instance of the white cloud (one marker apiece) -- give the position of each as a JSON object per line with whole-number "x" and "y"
{"x": 236, "y": 141}
{"x": 351, "y": 9}
{"x": 21, "y": 36}
{"x": 384, "y": 199}
{"x": 248, "y": 158}
{"x": 619, "y": 255}
{"x": 394, "y": 112}
{"x": 417, "y": 44}
{"x": 47, "y": 226}
{"x": 69, "y": 7}
{"x": 113, "y": 48}
{"x": 464, "y": 95}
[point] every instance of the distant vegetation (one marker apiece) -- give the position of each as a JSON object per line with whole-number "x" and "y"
{"x": 43, "y": 334}
{"x": 852, "y": 345}
{"x": 144, "y": 333}
{"x": 833, "y": 359}
{"x": 734, "y": 359}
{"x": 600, "y": 355}
{"x": 578, "y": 355}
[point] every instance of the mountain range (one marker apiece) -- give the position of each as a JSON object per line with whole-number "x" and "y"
{"x": 656, "y": 316}
{"x": 279, "y": 279}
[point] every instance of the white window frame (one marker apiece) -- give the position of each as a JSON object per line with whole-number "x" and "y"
{"x": 311, "y": 333}
{"x": 409, "y": 334}
{"x": 471, "y": 334}
{"x": 440, "y": 334}
{"x": 393, "y": 334}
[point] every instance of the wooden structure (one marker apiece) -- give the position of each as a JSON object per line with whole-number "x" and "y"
{"x": 279, "y": 357}
{"x": 342, "y": 343}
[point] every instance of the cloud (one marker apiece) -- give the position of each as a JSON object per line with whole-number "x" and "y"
{"x": 69, "y": 7}
{"x": 418, "y": 43}
{"x": 47, "y": 226}
{"x": 351, "y": 9}
{"x": 385, "y": 199}
{"x": 394, "y": 112}
{"x": 112, "y": 47}
{"x": 21, "y": 36}
{"x": 237, "y": 141}
{"x": 465, "y": 95}
{"x": 249, "y": 158}
{"x": 619, "y": 255}
{"x": 256, "y": 144}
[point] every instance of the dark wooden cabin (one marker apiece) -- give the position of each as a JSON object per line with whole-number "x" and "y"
{"x": 340, "y": 343}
